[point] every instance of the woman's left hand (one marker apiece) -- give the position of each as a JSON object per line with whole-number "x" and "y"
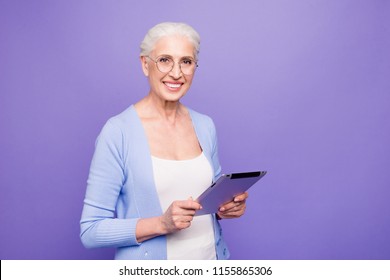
{"x": 235, "y": 208}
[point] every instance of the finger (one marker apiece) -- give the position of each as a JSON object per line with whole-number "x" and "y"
{"x": 228, "y": 206}
{"x": 232, "y": 214}
{"x": 185, "y": 224}
{"x": 179, "y": 212}
{"x": 182, "y": 223}
{"x": 238, "y": 207}
{"x": 180, "y": 219}
{"x": 189, "y": 204}
{"x": 198, "y": 205}
{"x": 241, "y": 197}
{"x": 183, "y": 219}
{"x": 228, "y": 216}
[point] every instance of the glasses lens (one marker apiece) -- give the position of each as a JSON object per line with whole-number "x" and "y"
{"x": 187, "y": 66}
{"x": 165, "y": 64}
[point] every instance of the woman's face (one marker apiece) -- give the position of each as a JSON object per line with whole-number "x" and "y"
{"x": 173, "y": 85}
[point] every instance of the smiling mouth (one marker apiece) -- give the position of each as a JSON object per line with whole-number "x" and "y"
{"x": 173, "y": 85}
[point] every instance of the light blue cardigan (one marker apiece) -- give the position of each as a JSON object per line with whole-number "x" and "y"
{"x": 121, "y": 188}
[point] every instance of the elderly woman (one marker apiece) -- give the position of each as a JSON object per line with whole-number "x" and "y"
{"x": 152, "y": 159}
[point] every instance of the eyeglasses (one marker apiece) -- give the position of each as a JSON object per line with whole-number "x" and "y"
{"x": 165, "y": 64}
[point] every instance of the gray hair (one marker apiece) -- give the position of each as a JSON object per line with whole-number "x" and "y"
{"x": 168, "y": 29}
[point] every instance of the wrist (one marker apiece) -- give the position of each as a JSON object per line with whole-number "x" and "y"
{"x": 161, "y": 226}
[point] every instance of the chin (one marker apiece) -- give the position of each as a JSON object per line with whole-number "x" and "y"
{"x": 173, "y": 96}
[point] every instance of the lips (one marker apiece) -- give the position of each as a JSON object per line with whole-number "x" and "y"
{"x": 173, "y": 85}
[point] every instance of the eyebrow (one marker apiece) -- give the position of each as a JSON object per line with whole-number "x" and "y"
{"x": 181, "y": 58}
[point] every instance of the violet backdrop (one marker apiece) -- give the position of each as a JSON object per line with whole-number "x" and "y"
{"x": 298, "y": 88}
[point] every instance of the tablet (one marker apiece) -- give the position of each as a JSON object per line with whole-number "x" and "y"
{"x": 225, "y": 189}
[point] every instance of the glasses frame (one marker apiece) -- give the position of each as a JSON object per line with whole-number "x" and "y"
{"x": 173, "y": 65}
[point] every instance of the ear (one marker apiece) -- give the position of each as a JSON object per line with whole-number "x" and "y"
{"x": 144, "y": 65}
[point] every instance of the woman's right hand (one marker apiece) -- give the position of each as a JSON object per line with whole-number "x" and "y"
{"x": 179, "y": 215}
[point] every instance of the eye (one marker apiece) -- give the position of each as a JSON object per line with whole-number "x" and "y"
{"x": 187, "y": 61}
{"x": 164, "y": 60}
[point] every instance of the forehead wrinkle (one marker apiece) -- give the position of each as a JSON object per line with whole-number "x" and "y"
{"x": 169, "y": 45}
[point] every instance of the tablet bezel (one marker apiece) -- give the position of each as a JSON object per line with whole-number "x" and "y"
{"x": 225, "y": 189}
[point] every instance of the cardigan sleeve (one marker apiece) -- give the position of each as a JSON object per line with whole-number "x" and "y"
{"x": 99, "y": 226}
{"x": 214, "y": 152}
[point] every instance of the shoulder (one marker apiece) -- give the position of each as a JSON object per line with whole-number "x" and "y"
{"x": 204, "y": 127}
{"x": 201, "y": 119}
{"x": 116, "y": 127}
{"x": 124, "y": 119}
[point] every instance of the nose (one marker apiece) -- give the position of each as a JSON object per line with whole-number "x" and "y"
{"x": 176, "y": 71}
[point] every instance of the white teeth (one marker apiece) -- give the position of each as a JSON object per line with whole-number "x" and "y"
{"x": 173, "y": 85}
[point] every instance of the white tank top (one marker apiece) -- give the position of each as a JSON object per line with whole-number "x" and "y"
{"x": 179, "y": 180}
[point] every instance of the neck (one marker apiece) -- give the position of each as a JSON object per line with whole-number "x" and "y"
{"x": 164, "y": 110}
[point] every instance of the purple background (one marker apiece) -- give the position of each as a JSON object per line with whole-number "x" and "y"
{"x": 298, "y": 88}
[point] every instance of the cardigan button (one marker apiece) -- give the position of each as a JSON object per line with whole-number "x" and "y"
{"x": 146, "y": 253}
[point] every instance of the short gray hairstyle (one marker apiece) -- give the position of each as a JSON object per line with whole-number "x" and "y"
{"x": 168, "y": 29}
